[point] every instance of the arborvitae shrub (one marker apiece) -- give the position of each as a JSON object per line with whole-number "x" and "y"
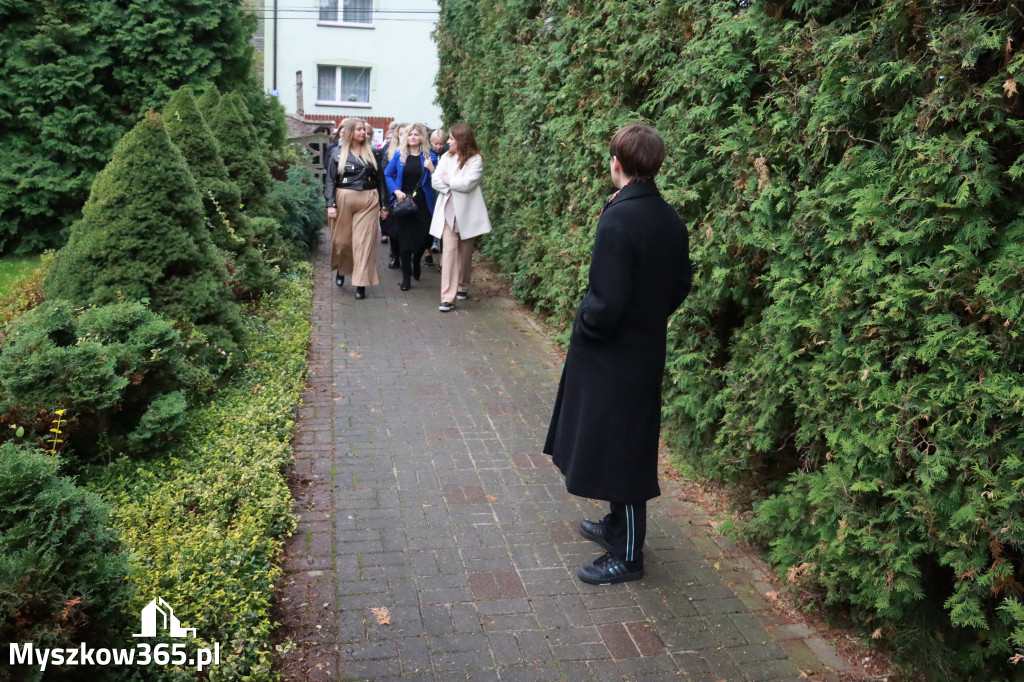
{"x": 267, "y": 114}
{"x": 275, "y": 249}
{"x": 851, "y": 352}
{"x": 300, "y": 196}
{"x": 229, "y": 228}
{"x": 118, "y": 371}
{"x": 62, "y": 573}
{"x": 142, "y": 237}
{"x": 208, "y": 100}
{"x": 242, "y": 153}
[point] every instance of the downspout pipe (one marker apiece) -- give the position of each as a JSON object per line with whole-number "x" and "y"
{"x": 274, "y": 58}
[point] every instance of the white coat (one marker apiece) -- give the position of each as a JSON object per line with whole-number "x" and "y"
{"x": 463, "y": 190}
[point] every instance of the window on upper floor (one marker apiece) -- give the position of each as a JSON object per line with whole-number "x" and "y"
{"x": 346, "y": 11}
{"x": 343, "y": 85}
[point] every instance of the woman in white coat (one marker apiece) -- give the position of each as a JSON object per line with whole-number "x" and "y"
{"x": 460, "y": 215}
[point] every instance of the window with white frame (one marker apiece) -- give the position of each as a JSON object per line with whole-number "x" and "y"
{"x": 343, "y": 85}
{"x": 346, "y": 11}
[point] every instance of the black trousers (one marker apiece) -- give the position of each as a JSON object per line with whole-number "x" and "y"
{"x": 413, "y": 233}
{"x": 625, "y": 528}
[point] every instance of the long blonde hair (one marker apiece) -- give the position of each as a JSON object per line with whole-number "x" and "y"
{"x": 364, "y": 152}
{"x": 403, "y": 144}
{"x": 396, "y": 139}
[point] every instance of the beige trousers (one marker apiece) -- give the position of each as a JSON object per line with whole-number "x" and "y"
{"x": 354, "y": 236}
{"x": 456, "y": 264}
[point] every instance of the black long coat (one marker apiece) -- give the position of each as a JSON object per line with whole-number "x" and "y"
{"x": 607, "y": 417}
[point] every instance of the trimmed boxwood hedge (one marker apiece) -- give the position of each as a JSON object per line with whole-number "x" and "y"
{"x": 850, "y": 359}
{"x": 203, "y": 525}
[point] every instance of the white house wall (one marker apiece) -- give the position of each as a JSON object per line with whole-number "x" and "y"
{"x": 398, "y": 49}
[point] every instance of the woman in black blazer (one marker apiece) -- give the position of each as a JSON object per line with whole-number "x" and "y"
{"x": 408, "y": 174}
{"x": 356, "y": 200}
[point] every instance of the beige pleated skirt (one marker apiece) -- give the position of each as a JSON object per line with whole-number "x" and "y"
{"x": 354, "y": 236}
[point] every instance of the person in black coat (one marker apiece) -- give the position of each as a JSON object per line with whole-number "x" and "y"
{"x": 607, "y": 416}
{"x": 408, "y": 174}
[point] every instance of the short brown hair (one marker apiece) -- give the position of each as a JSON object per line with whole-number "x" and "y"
{"x": 640, "y": 151}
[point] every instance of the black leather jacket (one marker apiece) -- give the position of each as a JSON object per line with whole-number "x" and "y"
{"x": 354, "y": 175}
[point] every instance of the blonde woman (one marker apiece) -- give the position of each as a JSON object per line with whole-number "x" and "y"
{"x": 389, "y": 227}
{"x": 439, "y": 145}
{"x": 356, "y": 199}
{"x": 408, "y": 174}
{"x": 460, "y": 215}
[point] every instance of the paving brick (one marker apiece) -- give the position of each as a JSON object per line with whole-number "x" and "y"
{"x": 618, "y": 641}
{"x": 419, "y": 488}
{"x": 646, "y": 638}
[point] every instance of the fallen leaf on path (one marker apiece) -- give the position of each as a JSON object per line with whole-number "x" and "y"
{"x": 382, "y": 615}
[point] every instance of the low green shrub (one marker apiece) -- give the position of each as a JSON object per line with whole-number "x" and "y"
{"x": 62, "y": 572}
{"x": 119, "y": 372}
{"x": 300, "y": 196}
{"x": 204, "y": 523}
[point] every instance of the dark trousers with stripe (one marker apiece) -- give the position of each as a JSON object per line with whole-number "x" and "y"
{"x": 625, "y": 528}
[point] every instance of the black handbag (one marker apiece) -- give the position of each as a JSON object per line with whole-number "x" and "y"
{"x": 406, "y": 207}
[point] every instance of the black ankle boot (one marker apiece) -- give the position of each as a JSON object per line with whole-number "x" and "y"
{"x": 360, "y": 293}
{"x": 416, "y": 269}
{"x": 404, "y": 286}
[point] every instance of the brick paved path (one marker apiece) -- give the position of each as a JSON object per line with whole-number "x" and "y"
{"x": 437, "y": 543}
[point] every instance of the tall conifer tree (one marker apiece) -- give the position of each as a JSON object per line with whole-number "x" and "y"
{"x": 240, "y": 148}
{"x": 76, "y": 74}
{"x": 229, "y": 227}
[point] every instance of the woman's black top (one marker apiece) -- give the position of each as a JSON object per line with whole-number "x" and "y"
{"x": 412, "y": 174}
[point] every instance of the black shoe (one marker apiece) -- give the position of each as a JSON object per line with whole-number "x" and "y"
{"x": 462, "y": 295}
{"x": 594, "y": 531}
{"x": 339, "y": 280}
{"x": 404, "y": 286}
{"x": 360, "y": 293}
{"x": 607, "y": 570}
{"x": 393, "y": 264}
{"x": 428, "y": 260}
{"x": 446, "y": 307}
{"x": 416, "y": 271}
{"x": 384, "y": 239}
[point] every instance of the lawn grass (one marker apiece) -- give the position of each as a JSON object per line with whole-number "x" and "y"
{"x": 14, "y": 269}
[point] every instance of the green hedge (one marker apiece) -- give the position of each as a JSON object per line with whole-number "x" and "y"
{"x": 203, "y": 525}
{"x": 62, "y": 571}
{"x": 850, "y": 359}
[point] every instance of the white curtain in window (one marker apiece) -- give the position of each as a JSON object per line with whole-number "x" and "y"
{"x": 328, "y": 10}
{"x": 327, "y": 83}
{"x": 355, "y": 84}
{"x": 358, "y": 11}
